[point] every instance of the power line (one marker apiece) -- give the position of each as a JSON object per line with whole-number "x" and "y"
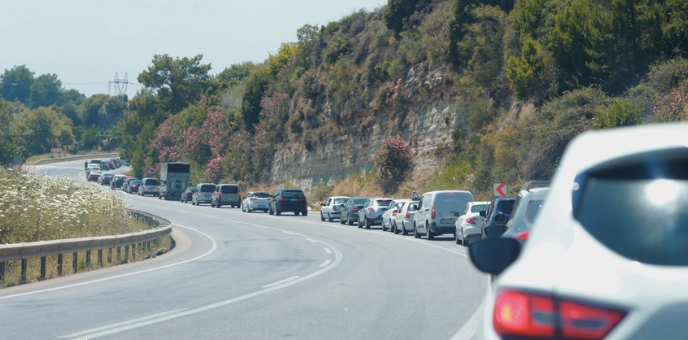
{"x": 120, "y": 85}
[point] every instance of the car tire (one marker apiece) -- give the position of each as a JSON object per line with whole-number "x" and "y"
{"x": 271, "y": 212}
{"x": 396, "y": 229}
{"x": 304, "y": 213}
{"x": 415, "y": 232}
{"x": 322, "y": 218}
{"x": 456, "y": 238}
{"x": 383, "y": 226}
{"x": 349, "y": 220}
{"x": 341, "y": 220}
{"x": 278, "y": 213}
{"x": 329, "y": 218}
{"x": 296, "y": 213}
{"x": 359, "y": 224}
{"x": 428, "y": 234}
{"x": 218, "y": 205}
{"x": 367, "y": 224}
{"x": 403, "y": 229}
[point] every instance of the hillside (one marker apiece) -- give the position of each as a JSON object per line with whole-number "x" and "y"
{"x": 484, "y": 91}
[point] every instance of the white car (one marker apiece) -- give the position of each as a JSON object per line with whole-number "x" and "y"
{"x": 469, "y": 221}
{"x": 403, "y": 221}
{"x": 608, "y": 254}
{"x": 391, "y": 212}
{"x": 437, "y": 212}
{"x": 332, "y": 208}
{"x": 256, "y": 200}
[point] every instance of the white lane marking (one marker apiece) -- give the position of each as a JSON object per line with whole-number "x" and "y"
{"x": 281, "y": 282}
{"x": 326, "y": 263}
{"x": 288, "y": 232}
{"x": 327, "y": 250}
{"x": 337, "y": 261}
{"x": 98, "y": 329}
{"x": 212, "y": 249}
{"x": 312, "y": 240}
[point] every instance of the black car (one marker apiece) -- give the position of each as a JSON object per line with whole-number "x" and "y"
{"x": 117, "y": 182}
{"x": 350, "y": 209}
{"x": 497, "y": 216}
{"x": 289, "y": 200}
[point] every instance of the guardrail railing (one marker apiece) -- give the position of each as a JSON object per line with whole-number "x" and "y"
{"x": 75, "y": 158}
{"x": 141, "y": 239}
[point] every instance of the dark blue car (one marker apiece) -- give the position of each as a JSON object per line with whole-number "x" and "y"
{"x": 497, "y": 216}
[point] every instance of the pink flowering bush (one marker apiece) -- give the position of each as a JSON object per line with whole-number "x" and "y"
{"x": 217, "y": 131}
{"x": 393, "y": 161}
{"x": 672, "y": 106}
{"x": 165, "y": 142}
{"x": 395, "y": 93}
{"x": 216, "y": 170}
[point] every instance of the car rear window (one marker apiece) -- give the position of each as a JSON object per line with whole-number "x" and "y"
{"x": 360, "y": 201}
{"x": 151, "y": 182}
{"x": 505, "y": 207}
{"x": 532, "y": 210}
{"x": 292, "y": 193}
{"x": 638, "y": 208}
{"x": 450, "y": 201}
{"x": 383, "y": 203}
{"x": 135, "y": 183}
{"x": 340, "y": 200}
{"x": 230, "y": 189}
{"x": 401, "y": 205}
{"x": 261, "y": 195}
{"x": 207, "y": 188}
{"x": 479, "y": 207}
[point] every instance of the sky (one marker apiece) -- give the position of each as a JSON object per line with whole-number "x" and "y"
{"x": 86, "y": 42}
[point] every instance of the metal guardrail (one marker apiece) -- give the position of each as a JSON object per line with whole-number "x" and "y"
{"x": 75, "y": 158}
{"x": 25, "y": 251}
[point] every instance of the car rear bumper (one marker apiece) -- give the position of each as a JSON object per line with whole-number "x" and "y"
{"x": 442, "y": 229}
{"x": 291, "y": 207}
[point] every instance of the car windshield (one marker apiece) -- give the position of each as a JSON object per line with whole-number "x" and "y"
{"x": 480, "y": 207}
{"x": 230, "y": 189}
{"x": 292, "y": 193}
{"x": 207, "y": 188}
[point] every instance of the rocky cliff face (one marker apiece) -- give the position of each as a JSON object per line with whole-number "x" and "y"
{"x": 427, "y": 119}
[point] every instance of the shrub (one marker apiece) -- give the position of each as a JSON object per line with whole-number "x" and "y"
{"x": 672, "y": 106}
{"x": 620, "y": 113}
{"x": 393, "y": 161}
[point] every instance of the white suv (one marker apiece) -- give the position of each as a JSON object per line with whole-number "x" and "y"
{"x": 437, "y": 212}
{"x": 608, "y": 254}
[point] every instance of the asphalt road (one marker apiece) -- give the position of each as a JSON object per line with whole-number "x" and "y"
{"x": 237, "y": 275}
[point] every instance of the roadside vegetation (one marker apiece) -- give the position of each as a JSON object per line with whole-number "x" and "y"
{"x": 526, "y": 76}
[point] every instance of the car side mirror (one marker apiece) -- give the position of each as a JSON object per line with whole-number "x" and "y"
{"x": 493, "y": 256}
{"x": 456, "y": 214}
{"x": 500, "y": 218}
{"x": 483, "y": 213}
{"x": 341, "y": 205}
{"x": 322, "y": 204}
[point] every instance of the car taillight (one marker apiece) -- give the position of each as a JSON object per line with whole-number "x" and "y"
{"x": 240, "y": 193}
{"x": 470, "y": 220}
{"x": 356, "y": 208}
{"x": 219, "y": 194}
{"x": 252, "y": 199}
{"x": 522, "y": 236}
{"x": 158, "y": 187}
{"x": 283, "y": 199}
{"x": 371, "y": 209}
{"x": 434, "y": 213}
{"x": 408, "y": 214}
{"x": 334, "y": 208}
{"x": 520, "y": 314}
{"x": 144, "y": 186}
{"x": 199, "y": 195}
{"x": 302, "y": 199}
{"x": 394, "y": 213}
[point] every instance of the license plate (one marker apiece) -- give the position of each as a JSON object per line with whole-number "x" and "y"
{"x": 447, "y": 220}
{"x": 294, "y": 199}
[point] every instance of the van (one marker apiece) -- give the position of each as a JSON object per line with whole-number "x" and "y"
{"x": 226, "y": 194}
{"x": 204, "y": 193}
{"x": 437, "y": 212}
{"x": 149, "y": 186}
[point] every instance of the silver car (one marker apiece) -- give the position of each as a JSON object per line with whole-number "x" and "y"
{"x": 204, "y": 193}
{"x": 372, "y": 211}
{"x": 332, "y": 209}
{"x": 403, "y": 221}
{"x": 149, "y": 186}
{"x": 391, "y": 213}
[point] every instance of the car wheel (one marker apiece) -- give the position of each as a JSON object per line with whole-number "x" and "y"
{"x": 296, "y": 213}
{"x": 383, "y": 226}
{"x": 367, "y": 224}
{"x": 395, "y": 229}
{"x": 329, "y": 218}
{"x": 359, "y": 224}
{"x": 304, "y": 213}
{"x": 349, "y": 220}
{"x": 270, "y": 211}
{"x": 219, "y": 205}
{"x": 428, "y": 234}
{"x": 322, "y": 218}
{"x": 456, "y": 238}
{"x": 341, "y": 220}
{"x": 278, "y": 213}
{"x": 403, "y": 229}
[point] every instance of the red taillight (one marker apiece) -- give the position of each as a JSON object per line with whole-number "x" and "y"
{"x": 144, "y": 186}
{"x": 283, "y": 199}
{"x": 408, "y": 214}
{"x": 199, "y": 194}
{"x": 519, "y": 314}
{"x": 334, "y": 208}
{"x": 522, "y": 236}
{"x": 434, "y": 213}
{"x": 302, "y": 199}
{"x": 371, "y": 209}
{"x": 239, "y": 193}
{"x": 356, "y": 208}
{"x": 219, "y": 194}
{"x": 470, "y": 220}
{"x": 252, "y": 199}
{"x": 394, "y": 213}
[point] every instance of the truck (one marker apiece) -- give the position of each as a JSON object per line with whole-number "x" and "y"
{"x": 175, "y": 177}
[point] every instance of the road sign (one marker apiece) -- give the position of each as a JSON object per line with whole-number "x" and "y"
{"x": 151, "y": 170}
{"x": 100, "y": 148}
{"x": 500, "y": 189}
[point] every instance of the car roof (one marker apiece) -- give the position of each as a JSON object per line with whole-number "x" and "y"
{"x": 339, "y": 197}
{"x": 479, "y": 202}
{"x": 443, "y": 191}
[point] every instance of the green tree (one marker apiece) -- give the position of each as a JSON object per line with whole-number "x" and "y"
{"x": 178, "y": 81}
{"x": 46, "y": 90}
{"x": 236, "y": 72}
{"x": 524, "y": 72}
{"x": 42, "y": 129}
{"x": 89, "y": 110}
{"x": 15, "y": 84}
{"x": 397, "y": 13}
{"x": 7, "y": 135}
{"x": 256, "y": 84}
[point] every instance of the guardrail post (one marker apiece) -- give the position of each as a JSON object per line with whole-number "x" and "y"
{"x": 59, "y": 264}
{"x": 24, "y": 264}
{"x": 75, "y": 260}
{"x": 42, "y": 267}
{"x": 133, "y": 251}
{"x": 119, "y": 252}
{"x": 109, "y": 255}
{"x": 126, "y": 253}
{"x": 100, "y": 257}
{"x": 88, "y": 258}
{"x": 2, "y": 272}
